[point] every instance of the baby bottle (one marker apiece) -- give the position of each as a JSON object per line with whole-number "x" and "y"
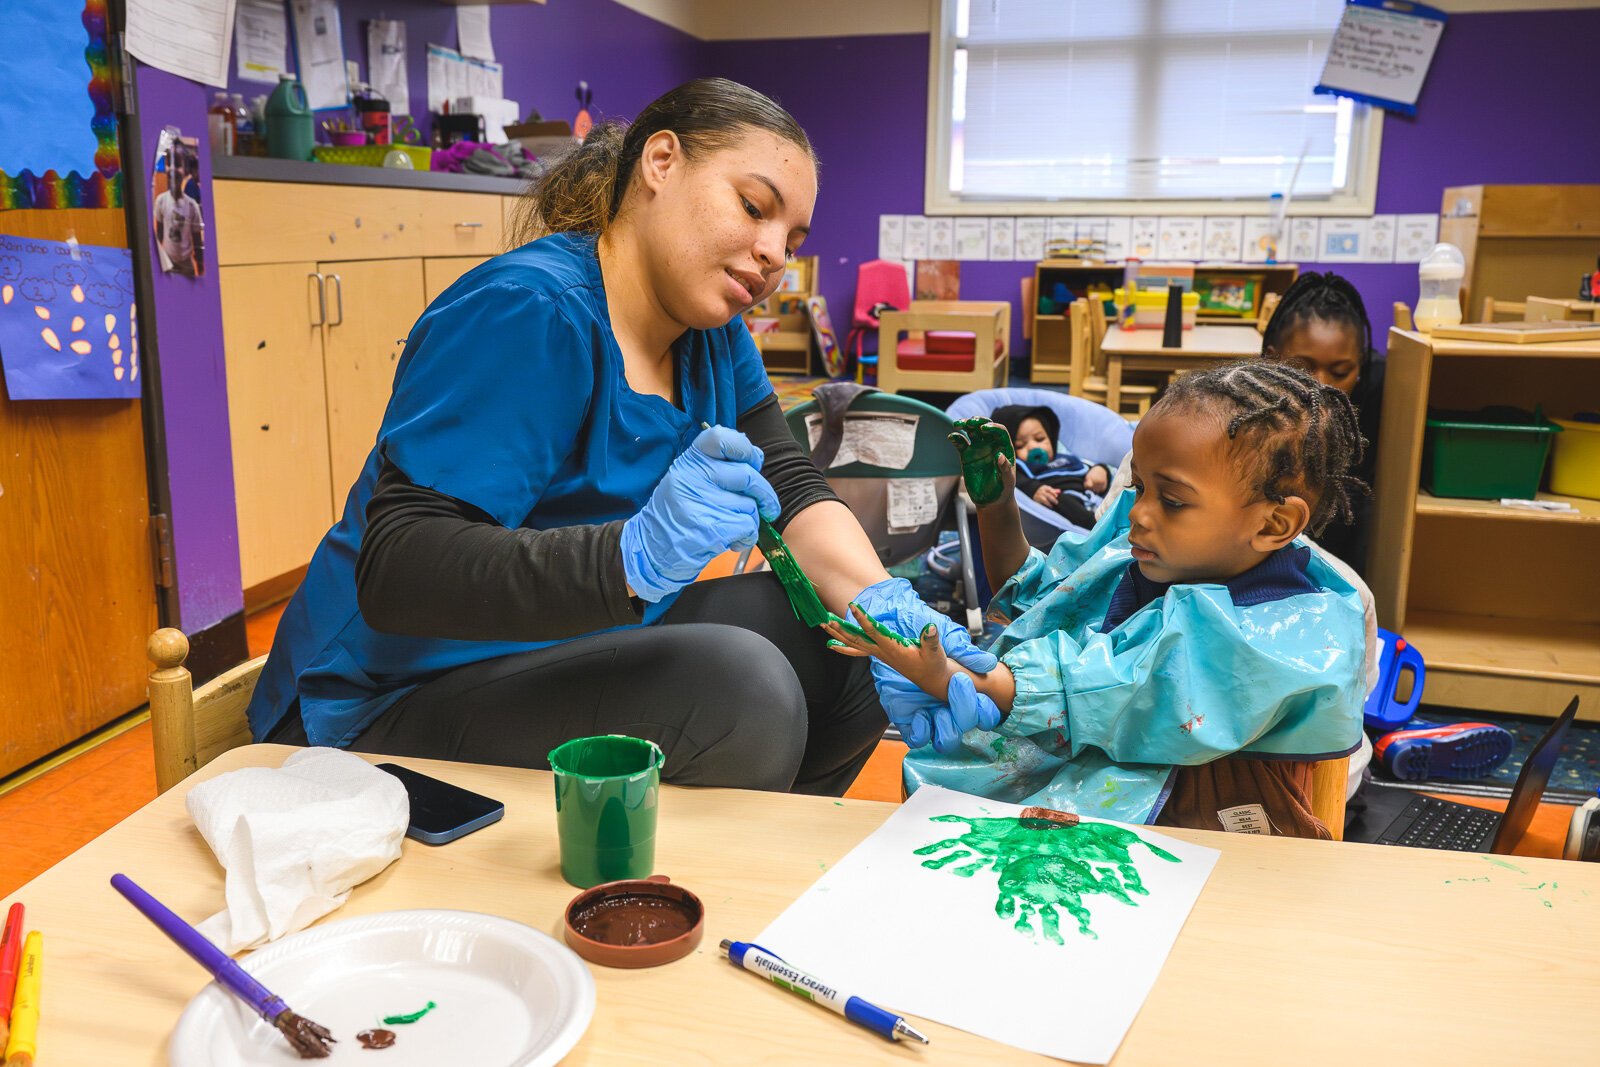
{"x": 1439, "y": 282}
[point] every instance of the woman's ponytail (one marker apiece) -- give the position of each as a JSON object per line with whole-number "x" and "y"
{"x": 576, "y": 193}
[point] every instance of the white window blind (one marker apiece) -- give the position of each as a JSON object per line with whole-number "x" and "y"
{"x": 1141, "y": 100}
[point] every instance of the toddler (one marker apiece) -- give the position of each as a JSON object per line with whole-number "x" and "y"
{"x": 1188, "y": 660}
{"x": 1064, "y": 483}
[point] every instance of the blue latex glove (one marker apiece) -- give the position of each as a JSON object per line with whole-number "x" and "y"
{"x": 710, "y": 500}
{"x": 920, "y": 717}
{"x": 923, "y": 718}
{"x": 896, "y": 606}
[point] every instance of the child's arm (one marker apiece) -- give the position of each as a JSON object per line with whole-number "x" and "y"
{"x": 925, "y": 665}
{"x": 1005, "y": 548}
{"x": 986, "y": 458}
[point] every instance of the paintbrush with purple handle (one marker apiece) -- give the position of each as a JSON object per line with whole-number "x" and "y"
{"x": 309, "y": 1040}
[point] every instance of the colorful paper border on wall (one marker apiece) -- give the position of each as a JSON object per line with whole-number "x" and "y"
{"x": 102, "y": 188}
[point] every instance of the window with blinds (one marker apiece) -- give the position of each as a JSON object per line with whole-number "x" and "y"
{"x": 1177, "y": 104}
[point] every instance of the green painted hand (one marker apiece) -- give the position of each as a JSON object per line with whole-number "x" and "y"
{"x": 981, "y": 443}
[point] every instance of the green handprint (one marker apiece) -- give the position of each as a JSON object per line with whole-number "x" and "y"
{"x": 1045, "y": 861}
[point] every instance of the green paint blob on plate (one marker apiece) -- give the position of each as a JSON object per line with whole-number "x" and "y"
{"x": 401, "y": 1020}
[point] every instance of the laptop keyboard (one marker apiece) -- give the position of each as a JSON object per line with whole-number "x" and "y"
{"x": 1430, "y": 823}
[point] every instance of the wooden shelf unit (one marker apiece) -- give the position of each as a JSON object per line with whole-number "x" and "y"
{"x": 1520, "y": 239}
{"x": 1052, "y": 339}
{"x": 1503, "y": 603}
{"x": 788, "y": 351}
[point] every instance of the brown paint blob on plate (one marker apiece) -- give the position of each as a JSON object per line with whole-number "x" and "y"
{"x": 375, "y": 1038}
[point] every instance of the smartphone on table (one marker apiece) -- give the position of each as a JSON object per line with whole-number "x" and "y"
{"x": 442, "y": 812}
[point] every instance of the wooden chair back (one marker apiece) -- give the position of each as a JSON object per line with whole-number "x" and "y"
{"x": 191, "y": 727}
{"x": 1329, "y": 782}
{"x": 1402, "y": 317}
{"x": 1097, "y": 336}
{"x": 1079, "y": 330}
{"x": 1544, "y": 309}
{"x": 1503, "y": 310}
{"x": 1269, "y": 304}
{"x": 988, "y": 320}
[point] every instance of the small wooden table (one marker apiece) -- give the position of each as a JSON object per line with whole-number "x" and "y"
{"x": 1203, "y": 346}
{"x": 1308, "y": 952}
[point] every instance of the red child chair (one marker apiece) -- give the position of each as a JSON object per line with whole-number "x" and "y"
{"x": 881, "y": 285}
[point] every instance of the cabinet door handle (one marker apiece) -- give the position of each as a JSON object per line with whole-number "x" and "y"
{"x": 469, "y": 225}
{"x": 322, "y": 299}
{"x": 338, "y": 291}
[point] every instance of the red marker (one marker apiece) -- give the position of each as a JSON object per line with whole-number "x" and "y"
{"x": 10, "y": 956}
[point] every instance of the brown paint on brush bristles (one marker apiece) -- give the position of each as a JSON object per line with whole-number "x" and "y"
{"x": 307, "y": 1038}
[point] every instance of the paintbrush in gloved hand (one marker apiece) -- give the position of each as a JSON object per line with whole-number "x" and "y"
{"x": 309, "y": 1040}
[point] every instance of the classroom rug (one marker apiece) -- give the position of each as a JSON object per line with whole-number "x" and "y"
{"x": 1577, "y": 771}
{"x": 793, "y": 390}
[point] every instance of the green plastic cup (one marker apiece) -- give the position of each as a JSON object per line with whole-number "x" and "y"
{"x": 606, "y": 793}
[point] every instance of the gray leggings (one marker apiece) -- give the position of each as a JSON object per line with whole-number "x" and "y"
{"x": 730, "y": 684}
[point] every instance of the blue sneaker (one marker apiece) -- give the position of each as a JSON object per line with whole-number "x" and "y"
{"x": 1458, "y": 750}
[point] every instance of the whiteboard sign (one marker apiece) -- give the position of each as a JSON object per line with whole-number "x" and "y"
{"x": 1381, "y": 52}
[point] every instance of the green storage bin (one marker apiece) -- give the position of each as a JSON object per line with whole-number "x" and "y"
{"x": 1485, "y": 455}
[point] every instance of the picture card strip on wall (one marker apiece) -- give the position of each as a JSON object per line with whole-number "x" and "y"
{"x": 1180, "y": 237}
{"x": 1031, "y": 238}
{"x": 1257, "y": 243}
{"x": 1144, "y": 234}
{"x": 891, "y": 236}
{"x": 915, "y": 245}
{"x": 1223, "y": 238}
{"x": 1342, "y": 241}
{"x": 1415, "y": 236}
{"x": 941, "y": 238}
{"x": 1380, "y": 239}
{"x": 972, "y": 239}
{"x": 1002, "y": 238}
{"x": 1303, "y": 234}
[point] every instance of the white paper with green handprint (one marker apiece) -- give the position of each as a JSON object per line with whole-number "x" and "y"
{"x": 966, "y": 911}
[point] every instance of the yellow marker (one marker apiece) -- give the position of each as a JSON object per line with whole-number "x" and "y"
{"x": 21, "y": 1049}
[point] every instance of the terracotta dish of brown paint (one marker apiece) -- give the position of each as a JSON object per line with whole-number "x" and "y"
{"x": 636, "y": 923}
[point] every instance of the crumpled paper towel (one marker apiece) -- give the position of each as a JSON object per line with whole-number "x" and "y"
{"x": 296, "y": 840}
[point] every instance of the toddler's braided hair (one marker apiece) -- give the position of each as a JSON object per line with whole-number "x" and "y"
{"x": 1294, "y": 435}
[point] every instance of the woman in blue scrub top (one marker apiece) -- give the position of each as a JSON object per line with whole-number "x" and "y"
{"x": 516, "y": 562}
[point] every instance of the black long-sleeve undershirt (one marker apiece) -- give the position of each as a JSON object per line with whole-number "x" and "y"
{"x": 433, "y": 566}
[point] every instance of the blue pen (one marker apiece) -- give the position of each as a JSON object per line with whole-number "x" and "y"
{"x": 757, "y": 959}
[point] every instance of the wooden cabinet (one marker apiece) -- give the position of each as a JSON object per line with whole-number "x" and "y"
{"x": 277, "y": 414}
{"x": 277, "y": 222}
{"x": 1503, "y": 603}
{"x": 316, "y": 307}
{"x": 1521, "y": 239}
{"x": 461, "y": 224}
{"x": 371, "y": 307}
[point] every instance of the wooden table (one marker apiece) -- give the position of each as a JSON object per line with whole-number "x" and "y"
{"x": 1298, "y": 952}
{"x": 1203, "y": 346}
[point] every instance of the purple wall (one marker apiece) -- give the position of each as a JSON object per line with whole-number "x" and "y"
{"x": 194, "y": 390}
{"x": 1500, "y": 105}
{"x": 628, "y": 60}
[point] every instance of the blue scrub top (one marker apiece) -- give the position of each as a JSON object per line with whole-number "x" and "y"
{"x": 511, "y": 397}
